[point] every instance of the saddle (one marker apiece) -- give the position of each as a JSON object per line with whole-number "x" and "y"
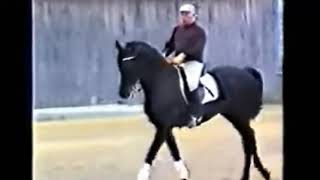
{"x": 208, "y": 85}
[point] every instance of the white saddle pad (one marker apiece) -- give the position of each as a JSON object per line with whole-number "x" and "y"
{"x": 210, "y": 84}
{"x": 193, "y": 70}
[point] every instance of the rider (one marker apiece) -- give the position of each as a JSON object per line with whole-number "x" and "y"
{"x": 186, "y": 46}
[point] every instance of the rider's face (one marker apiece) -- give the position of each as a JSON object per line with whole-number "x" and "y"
{"x": 186, "y": 17}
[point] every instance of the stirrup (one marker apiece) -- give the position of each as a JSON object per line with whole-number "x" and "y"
{"x": 195, "y": 121}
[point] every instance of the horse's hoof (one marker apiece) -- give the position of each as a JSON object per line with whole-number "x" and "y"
{"x": 267, "y": 175}
{"x": 144, "y": 173}
{"x": 245, "y": 178}
{"x": 184, "y": 172}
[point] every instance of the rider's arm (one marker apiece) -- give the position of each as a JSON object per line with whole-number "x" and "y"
{"x": 169, "y": 45}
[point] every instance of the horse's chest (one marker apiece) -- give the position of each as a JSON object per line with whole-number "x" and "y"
{"x": 166, "y": 115}
{"x": 163, "y": 101}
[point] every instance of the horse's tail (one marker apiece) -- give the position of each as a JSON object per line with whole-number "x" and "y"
{"x": 257, "y": 75}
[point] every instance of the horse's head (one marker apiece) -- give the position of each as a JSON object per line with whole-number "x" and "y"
{"x": 128, "y": 67}
{"x": 135, "y": 59}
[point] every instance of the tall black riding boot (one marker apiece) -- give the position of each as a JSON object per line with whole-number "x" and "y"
{"x": 195, "y": 108}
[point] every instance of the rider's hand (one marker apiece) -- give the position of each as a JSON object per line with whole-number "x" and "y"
{"x": 179, "y": 59}
{"x": 170, "y": 58}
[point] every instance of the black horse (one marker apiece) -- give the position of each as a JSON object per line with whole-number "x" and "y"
{"x": 240, "y": 101}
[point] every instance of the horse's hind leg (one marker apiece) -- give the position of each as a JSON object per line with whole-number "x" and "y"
{"x": 257, "y": 163}
{"x": 247, "y": 141}
{"x": 180, "y": 166}
{"x": 250, "y": 148}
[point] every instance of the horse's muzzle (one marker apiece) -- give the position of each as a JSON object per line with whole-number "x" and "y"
{"x": 124, "y": 94}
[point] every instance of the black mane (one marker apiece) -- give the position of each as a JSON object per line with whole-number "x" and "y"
{"x": 146, "y": 49}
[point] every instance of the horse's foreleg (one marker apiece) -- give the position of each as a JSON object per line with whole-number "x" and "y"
{"x": 179, "y": 164}
{"x": 158, "y": 140}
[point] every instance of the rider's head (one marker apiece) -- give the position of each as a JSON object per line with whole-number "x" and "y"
{"x": 187, "y": 14}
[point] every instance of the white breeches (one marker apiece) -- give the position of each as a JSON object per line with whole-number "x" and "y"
{"x": 193, "y": 71}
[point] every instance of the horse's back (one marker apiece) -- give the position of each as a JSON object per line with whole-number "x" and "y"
{"x": 241, "y": 89}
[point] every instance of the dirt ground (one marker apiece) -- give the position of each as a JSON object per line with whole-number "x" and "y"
{"x": 114, "y": 149}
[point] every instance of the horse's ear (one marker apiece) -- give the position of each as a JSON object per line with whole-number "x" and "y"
{"x": 118, "y": 45}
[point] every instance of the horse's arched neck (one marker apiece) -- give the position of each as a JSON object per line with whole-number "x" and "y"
{"x": 153, "y": 68}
